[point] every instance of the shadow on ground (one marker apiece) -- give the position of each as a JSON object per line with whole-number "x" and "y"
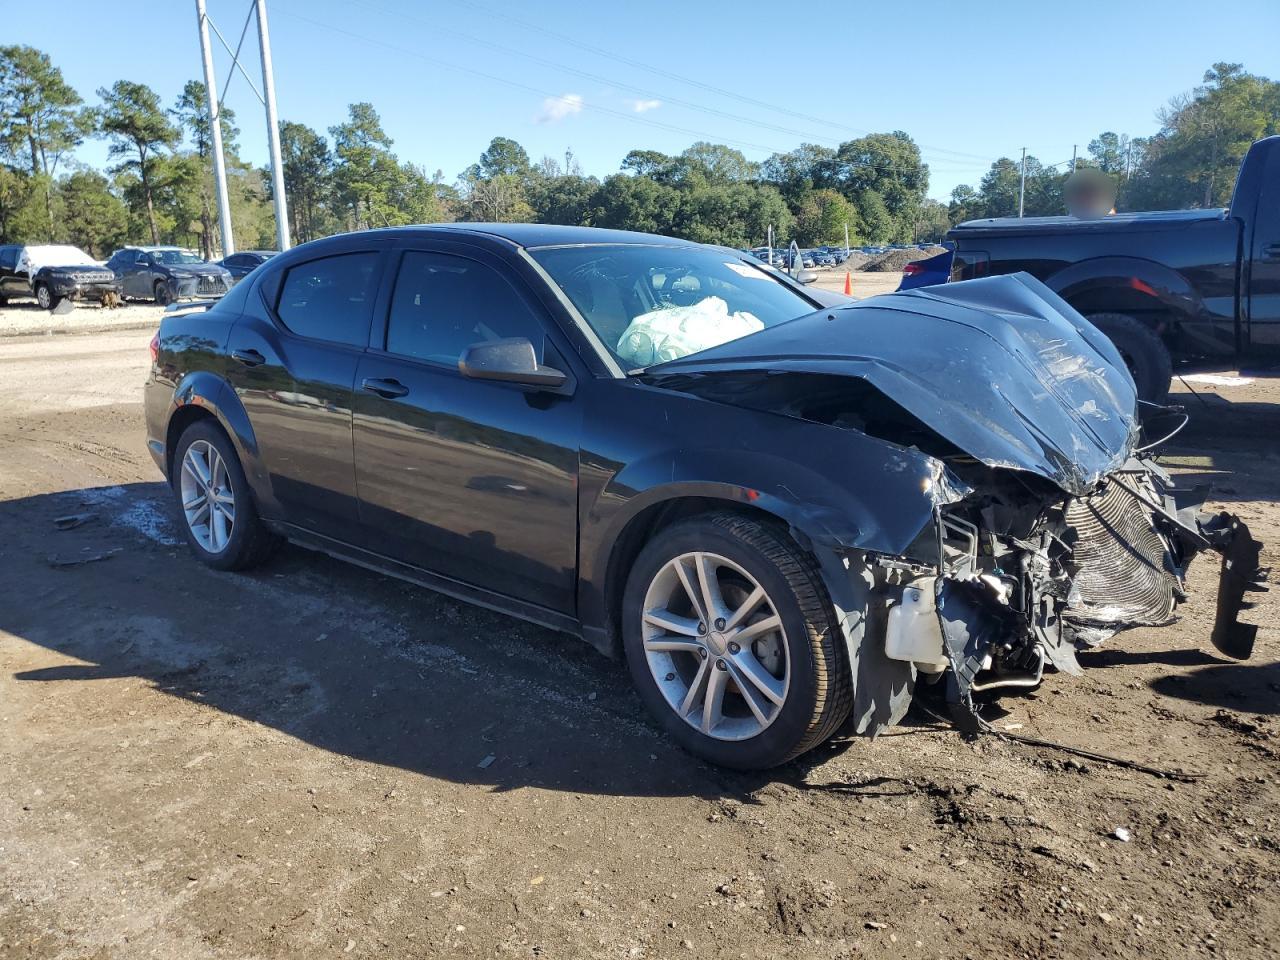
{"x": 342, "y": 658}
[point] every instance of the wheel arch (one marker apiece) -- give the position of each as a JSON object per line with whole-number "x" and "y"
{"x": 1152, "y": 292}
{"x": 203, "y": 395}
{"x": 671, "y": 504}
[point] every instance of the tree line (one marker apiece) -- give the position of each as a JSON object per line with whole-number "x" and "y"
{"x": 1190, "y": 161}
{"x": 158, "y": 186}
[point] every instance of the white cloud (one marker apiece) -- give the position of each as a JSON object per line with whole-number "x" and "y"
{"x": 557, "y": 108}
{"x": 644, "y": 106}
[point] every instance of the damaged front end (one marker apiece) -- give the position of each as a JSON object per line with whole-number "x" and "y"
{"x": 1017, "y": 584}
{"x": 1050, "y": 531}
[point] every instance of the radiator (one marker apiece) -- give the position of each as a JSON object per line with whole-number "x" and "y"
{"x": 1123, "y": 574}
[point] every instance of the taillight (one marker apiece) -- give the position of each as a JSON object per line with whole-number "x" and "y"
{"x": 911, "y": 269}
{"x": 155, "y": 349}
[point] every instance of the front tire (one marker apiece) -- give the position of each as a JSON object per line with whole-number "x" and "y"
{"x": 45, "y": 297}
{"x": 218, "y": 514}
{"x": 1143, "y": 351}
{"x": 732, "y": 644}
{"x": 163, "y": 295}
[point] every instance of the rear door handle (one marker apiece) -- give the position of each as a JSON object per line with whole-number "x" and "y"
{"x": 384, "y": 388}
{"x": 1272, "y": 252}
{"x": 250, "y": 358}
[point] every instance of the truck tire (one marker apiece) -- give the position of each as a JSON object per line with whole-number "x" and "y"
{"x": 1143, "y": 351}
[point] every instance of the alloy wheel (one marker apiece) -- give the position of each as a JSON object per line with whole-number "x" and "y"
{"x": 44, "y": 298}
{"x": 208, "y": 501}
{"x": 716, "y": 646}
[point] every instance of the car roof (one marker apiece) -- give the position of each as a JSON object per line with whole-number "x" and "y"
{"x": 532, "y": 235}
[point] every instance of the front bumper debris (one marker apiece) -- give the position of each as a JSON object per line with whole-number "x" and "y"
{"x": 1241, "y": 573}
{"x": 1018, "y": 588}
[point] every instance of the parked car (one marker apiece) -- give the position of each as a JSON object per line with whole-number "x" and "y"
{"x": 240, "y": 263}
{"x": 812, "y": 506}
{"x": 166, "y": 274}
{"x": 927, "y": 272}
{"x": 51, "y": 273}
{"x": 1164, "y": 286}
{"x": 822, "y": 258}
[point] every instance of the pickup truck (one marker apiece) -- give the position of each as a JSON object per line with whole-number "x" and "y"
{"x": 1164, "y": 286}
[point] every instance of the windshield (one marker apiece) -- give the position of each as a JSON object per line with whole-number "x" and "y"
{"x": 650, "y": 304}
{"x": 175, "y": 256}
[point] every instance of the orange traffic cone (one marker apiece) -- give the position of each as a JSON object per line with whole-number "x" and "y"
{"x": 848, "y": 284}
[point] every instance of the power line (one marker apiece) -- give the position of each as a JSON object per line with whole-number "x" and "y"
{"x": 731, "y": 94}
{"x": 632, "y": 118}
{"x": 436, "y": 28}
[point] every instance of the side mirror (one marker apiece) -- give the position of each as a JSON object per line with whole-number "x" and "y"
{"x": 806, "y": 276}
{"x": 510, "y": 361}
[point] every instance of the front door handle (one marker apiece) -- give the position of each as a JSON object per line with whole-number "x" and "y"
{"x": 384, "y": 388}
{"x": 250, "y": 358}
{"x": 1271, "y": 252}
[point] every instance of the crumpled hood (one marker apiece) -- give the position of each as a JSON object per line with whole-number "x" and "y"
{"x": 1001, "y": 367}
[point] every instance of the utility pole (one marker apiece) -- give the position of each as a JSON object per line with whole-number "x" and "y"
{"x": 1128, "y": 160}
{"x": 273, "y": 128}
{"x": 1022, "y": 185}
{"x": 1073, "y": 158}
{"x": 215, "y": 134}
{"x": 769, "y": 243}
{"x": 846, "y": 238}
{"x": 268, "y": 100}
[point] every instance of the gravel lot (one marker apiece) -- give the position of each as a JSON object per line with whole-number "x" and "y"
{"x": 24, "y": 318}
{"x": 312, "y": 760}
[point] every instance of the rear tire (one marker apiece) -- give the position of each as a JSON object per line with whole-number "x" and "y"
{"x": 215, "y": 504}
{"x": 804, "y": 654}
{"x": 1143, "y": 351}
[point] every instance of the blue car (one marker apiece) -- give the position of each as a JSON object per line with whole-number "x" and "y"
{"x": 926, "y": 273}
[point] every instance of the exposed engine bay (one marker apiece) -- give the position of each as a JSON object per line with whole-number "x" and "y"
{"x": 1017, "y": 586}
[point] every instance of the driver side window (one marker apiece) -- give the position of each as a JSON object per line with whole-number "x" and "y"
{"x": 443, "y": 304}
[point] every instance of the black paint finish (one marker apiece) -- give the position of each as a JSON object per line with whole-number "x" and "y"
{"x": 1207, "y": 280}
{"x": 528, "y": 498}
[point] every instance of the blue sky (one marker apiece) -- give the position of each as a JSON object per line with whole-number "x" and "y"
{"x": 970, "y": 82}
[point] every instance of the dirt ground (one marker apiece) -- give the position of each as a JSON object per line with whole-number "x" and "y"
{"x": 311, "y": 760}
{"x": 864, "y": 283}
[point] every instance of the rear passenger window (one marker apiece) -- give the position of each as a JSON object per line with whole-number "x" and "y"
{"x": 331, "y": 298}
{"x": 444, "y": 304}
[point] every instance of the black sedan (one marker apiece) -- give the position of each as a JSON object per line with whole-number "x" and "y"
{"x": 786, "y": 510}
{"x": 240, "y": 264}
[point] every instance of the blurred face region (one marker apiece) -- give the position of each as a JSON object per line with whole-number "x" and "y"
{"x": 1089, "y": 194}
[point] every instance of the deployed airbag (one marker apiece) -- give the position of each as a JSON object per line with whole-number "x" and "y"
{"x": 673, "y": 332}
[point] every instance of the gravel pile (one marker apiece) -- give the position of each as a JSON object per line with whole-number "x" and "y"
{"x": 857, "y": 260}
{"x": 893, "y": 261}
